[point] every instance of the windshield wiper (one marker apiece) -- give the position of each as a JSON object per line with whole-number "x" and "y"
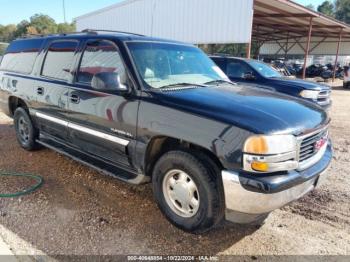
{"x": 183, "y": 85}
{"x": 220, "y": 81}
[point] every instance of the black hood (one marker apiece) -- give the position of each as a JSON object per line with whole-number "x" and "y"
{"x": 253, "y": 109}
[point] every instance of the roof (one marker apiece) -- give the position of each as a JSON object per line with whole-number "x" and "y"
{"x": 282, "y": 19}
{"x": 91, "y": 33}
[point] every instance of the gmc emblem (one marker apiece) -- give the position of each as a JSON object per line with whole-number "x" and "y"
{"x": 320, "y": 143}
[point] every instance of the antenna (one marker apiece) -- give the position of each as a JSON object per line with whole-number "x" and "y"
{"x": 64, "y": 11}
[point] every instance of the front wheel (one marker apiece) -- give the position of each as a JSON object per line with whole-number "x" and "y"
{"x": 187, "y": 191}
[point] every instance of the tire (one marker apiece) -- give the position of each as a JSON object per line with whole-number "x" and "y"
{"x": 207, "y": 199}
{"x": 346, "y": 85}
{"x": 26, "y": 133}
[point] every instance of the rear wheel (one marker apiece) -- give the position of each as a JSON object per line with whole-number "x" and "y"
{"x": 187, "y": 191}
{"x": 26, "y": 133}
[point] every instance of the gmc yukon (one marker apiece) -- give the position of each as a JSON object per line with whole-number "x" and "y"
{"x": 151, "y": 110}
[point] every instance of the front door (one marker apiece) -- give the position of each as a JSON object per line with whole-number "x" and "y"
{"x": 239, "y": 71}
{"x": 102, "y": 123}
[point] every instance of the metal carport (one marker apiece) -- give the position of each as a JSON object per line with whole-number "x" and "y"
{"x": 284, "y": 26}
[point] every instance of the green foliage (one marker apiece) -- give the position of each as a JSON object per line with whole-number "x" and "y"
{"x": 22, "y": 28}
{"x": 7, "y": 33}
{"x": 327, "y": 8}
{"x": 43, "y": 24}
{"x": 2, "y": 49}
{"x": 66, "y": 28}
{"x": 342, "y": 10}
{"x": 37, "y": 24}
{"x": 311, "y": 6}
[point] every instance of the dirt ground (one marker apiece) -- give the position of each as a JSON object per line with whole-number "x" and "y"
{"x": 79, "y": 211}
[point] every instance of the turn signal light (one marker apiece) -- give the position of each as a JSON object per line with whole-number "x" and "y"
{"x": 260, "y": 166}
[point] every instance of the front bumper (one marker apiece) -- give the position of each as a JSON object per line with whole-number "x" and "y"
{"x": 249, "y": 197}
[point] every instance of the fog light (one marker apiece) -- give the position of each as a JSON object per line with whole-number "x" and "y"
{"x": 260, "y": 166}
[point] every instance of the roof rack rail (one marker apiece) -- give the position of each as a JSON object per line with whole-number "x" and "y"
{"x": 58, "y": 34}
{"x": 112, "y": 31}
{"x": 85, "y": 31}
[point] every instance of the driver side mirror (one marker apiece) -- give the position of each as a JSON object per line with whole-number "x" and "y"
{"x": 108, "y": 82}
{"x": 249, "y": 76}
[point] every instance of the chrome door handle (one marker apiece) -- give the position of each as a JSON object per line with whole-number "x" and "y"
{"x": 40, "y": 91}
{"x": 75, "y": 99}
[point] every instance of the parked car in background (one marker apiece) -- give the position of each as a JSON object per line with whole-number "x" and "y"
{"x": 262, "y": 75}
{"x": 151, "y": 110}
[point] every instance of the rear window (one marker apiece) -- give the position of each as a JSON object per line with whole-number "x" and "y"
{"x": 59, "y": 60}
{"x": 20, "y": 56}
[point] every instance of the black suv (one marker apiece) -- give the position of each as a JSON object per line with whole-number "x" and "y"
{"x": 261, "y": 75}
{"x": 150, "y": 110}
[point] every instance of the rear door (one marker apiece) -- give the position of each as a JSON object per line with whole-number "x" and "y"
{"x": 52, "y": 87}
{"x": 102, "y": 123}
{"x": 16, "y": 70}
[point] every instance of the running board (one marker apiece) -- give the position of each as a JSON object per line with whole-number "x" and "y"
{"x": 99, "y": 165}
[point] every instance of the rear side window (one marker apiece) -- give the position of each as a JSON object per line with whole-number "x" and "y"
{"x": 59, "y": 60}
{"x": 20, "y": 56}
{"x": 99, "y": 57}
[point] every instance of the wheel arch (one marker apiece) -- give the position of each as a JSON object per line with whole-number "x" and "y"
{"x": 160, "y": 145}
{"x": 15, "y": 102}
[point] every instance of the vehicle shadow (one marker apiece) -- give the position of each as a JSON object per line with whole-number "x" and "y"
{"x": 340, "y": 87}
{"x": 79, "y": 211}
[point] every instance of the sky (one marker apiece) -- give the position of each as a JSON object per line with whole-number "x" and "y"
{"x": 14, "y": 11}
{"x": 307, "y": 2}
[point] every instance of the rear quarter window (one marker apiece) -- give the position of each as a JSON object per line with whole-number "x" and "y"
{"x": 20, "y": 56}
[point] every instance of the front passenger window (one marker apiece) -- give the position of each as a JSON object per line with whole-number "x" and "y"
{"x": 100, "y": 57}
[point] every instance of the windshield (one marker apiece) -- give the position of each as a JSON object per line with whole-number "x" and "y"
{"x": 164, "y": 64}
{"x": 265, "y": 70}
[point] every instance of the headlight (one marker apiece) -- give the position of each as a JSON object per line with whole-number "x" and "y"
{"x": 310, "y": 94}
{"x": 270, "y": 153}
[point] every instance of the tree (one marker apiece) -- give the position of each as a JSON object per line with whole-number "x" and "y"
{"x": 310, "y": 6}
{"x": 2, "y": 49}
{"x": 43, "y": 24}
{"x": 7, "y": 33}
{"x": 327, "y": 8}
{"x": 22, "y": 28}
{"x": 37, "y": 24}
{"x": 342, "y": 10}
{"x": 31, "y": 30}
{"x": 66, "y": 28}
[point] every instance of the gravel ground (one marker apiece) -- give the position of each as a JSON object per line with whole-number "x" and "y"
{"x": 79, "y": 211}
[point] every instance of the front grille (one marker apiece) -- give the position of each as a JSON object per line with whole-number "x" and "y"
{"x": 324, "y": 96}
{"x": 307, "y": 146}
